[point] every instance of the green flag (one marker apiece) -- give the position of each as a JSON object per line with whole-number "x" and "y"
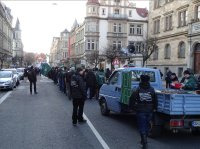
{"x": 45, "y": 69}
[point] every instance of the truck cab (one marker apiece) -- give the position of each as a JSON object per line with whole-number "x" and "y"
{"x": 114, "y": 94}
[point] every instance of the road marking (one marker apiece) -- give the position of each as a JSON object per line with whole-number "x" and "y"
{"x": 100, "y": 139}
{"x": 5, "y": 96}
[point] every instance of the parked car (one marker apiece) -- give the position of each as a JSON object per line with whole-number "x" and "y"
{"x": 21, "y": 73}
{"x": 7, "y": 80}
{"x": 16, "y": 75}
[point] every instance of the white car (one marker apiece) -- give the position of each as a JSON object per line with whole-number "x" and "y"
{"x": 16, "y": 74}
{"x": 21, "y": 73}
{"x": 7, "y": 80}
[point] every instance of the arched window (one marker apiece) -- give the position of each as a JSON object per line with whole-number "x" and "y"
{"x": 167, "y": 51}
{"x": 155, "y": 54}
{"x": 181, "y": 50}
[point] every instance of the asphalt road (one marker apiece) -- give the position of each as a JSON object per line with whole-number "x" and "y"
{"x": 43, "y": 121}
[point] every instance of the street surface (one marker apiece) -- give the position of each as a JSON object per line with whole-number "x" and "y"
{"x": 43, "y": 121}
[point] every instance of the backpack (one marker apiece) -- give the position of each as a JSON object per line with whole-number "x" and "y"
{"x": 100, "y": 79}
{"x": 74, "y": 82}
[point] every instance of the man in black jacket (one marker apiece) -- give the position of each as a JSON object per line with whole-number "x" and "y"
{"x": 144, "y": 101}
{"x": 32, "y": 79}
{"x": 78, "y": 94}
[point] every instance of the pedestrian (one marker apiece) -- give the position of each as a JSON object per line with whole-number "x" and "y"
{"x": 79, "y": 95}
{"x": 167, "y": 78}
{"x": 32, "y": 77}
{"x": 190, "y": 83}
{"x": 100, "y": 77}
{"x": 90, "y": 79}
{"x": 107, "y": 74}
{"x": 143, "y": 101}
{"x": 68, "y": 77}
{"x": 174, "y": 81}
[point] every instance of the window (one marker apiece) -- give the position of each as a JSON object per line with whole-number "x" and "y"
{"x": 116, "y": 11}
{"x": 114, "y": 45}
{"x": 156, "y": 4}
{"x": 139, "y": 29}
{"x": 136, "y": 29}
{"x": 168, "y": 23}
{"x": 131, "y": 30}
{"x": 114, "y": 78}
{"x": 115, "y": 27}
{"x": 181, "y": 50}
{"x": 155, "y": 55}
{"x": 180, "y": 71}
{"x": 167, "y": 51}
{"x": 120, "y": 28}
{"x": 117, "y": 1}
{"x": 137, "y": 73}
{"x": 103, "y": 11}
{"x": 156, "y": 26}
{"x": 130, "y": 13}
{"x": 92, "y": 44}
{"x": 93, "y": 9}
{"x": 183, "y": 17}
{"x": 119, "y": 44}
{"x": 88, "y": 45}
{"x": 198, "y": 12}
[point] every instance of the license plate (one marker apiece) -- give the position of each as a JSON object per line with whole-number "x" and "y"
{"x": 196, "y": 123}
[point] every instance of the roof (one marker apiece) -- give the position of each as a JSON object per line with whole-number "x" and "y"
{"x": 92, "y": 2}
{"x": 65, "y": 31}
{"x": 143, "y": 12}
{"x": 17, "y": 26}
{"x": 136, "y": 68}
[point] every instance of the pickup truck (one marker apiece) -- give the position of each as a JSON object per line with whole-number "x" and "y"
{"x": 177, "y": 109}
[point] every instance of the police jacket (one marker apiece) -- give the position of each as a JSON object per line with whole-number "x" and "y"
{"x": 78, "y": 88}
{"x": 143, "y": 99}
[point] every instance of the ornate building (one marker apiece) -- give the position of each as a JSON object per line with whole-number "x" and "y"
{"x": 176, "y": 26}
{"x": 17, "y": 46}
{"x": 6, "y": 35}
{"x": 115, "y": 23}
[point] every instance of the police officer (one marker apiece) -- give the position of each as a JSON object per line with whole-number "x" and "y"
{"x": 144, "y": 101}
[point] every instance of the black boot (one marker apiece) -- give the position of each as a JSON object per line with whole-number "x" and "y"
{"x": 144, "y": 141}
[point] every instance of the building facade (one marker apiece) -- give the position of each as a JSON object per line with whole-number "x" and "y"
{"x": 115, "y": 23}
{"x": 54, "y": 54}
{"x": 6, "y": 35}
{"x": 18, "y": 52}
{"x": 175, "y": 25}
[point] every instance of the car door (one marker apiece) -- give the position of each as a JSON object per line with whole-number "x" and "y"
{"x": 114, "y": 92}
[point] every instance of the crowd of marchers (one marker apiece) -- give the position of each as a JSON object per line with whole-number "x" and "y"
{"x": 79, "y": 84}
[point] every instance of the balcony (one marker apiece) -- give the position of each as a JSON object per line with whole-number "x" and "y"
{"x": 118, "y": 16}
{"x": 116, "y": 35}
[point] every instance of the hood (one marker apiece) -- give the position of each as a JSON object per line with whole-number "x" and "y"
{"x": 5, "y": 79}
{"x": 144, "y": 85}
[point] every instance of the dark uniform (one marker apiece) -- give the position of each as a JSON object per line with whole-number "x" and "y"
{"x": 78, "y": 93}
{"x": 32, "y": 79}
{"x": 144, "y": 102}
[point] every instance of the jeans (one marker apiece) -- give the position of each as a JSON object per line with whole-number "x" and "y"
{"x": 78, "y": 105}
{"x": 143, "y": 120}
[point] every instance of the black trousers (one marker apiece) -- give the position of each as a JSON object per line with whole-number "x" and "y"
{"x": 92, "y": 91}
{"x": 78, "y": 105}
{"x": 34, "y": 84}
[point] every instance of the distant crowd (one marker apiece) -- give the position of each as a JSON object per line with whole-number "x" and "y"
{"x": 93, "y": 79}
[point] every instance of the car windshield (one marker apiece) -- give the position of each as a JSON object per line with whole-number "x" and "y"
{"x": 137, "y": 73}
{"x": 20, "y": 70}
{"x": 5, "y": 75}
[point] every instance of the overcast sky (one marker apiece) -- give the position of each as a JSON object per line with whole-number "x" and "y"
{"x": 42, "y": 20}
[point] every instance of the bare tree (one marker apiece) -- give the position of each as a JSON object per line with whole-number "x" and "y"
{"x": 94, "y": 58}
{"x": 149, "y": 47}
{"x": 111, "y": 53}
{"x": 3, "y": 57}
{"x": 76, "y": 61}
{"x": 29, "y": 58}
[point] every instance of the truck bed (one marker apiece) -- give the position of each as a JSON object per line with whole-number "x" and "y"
{"x": 178, "y": 104}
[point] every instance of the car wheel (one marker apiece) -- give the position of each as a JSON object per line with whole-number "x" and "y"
{"x": 104, "y": 109}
